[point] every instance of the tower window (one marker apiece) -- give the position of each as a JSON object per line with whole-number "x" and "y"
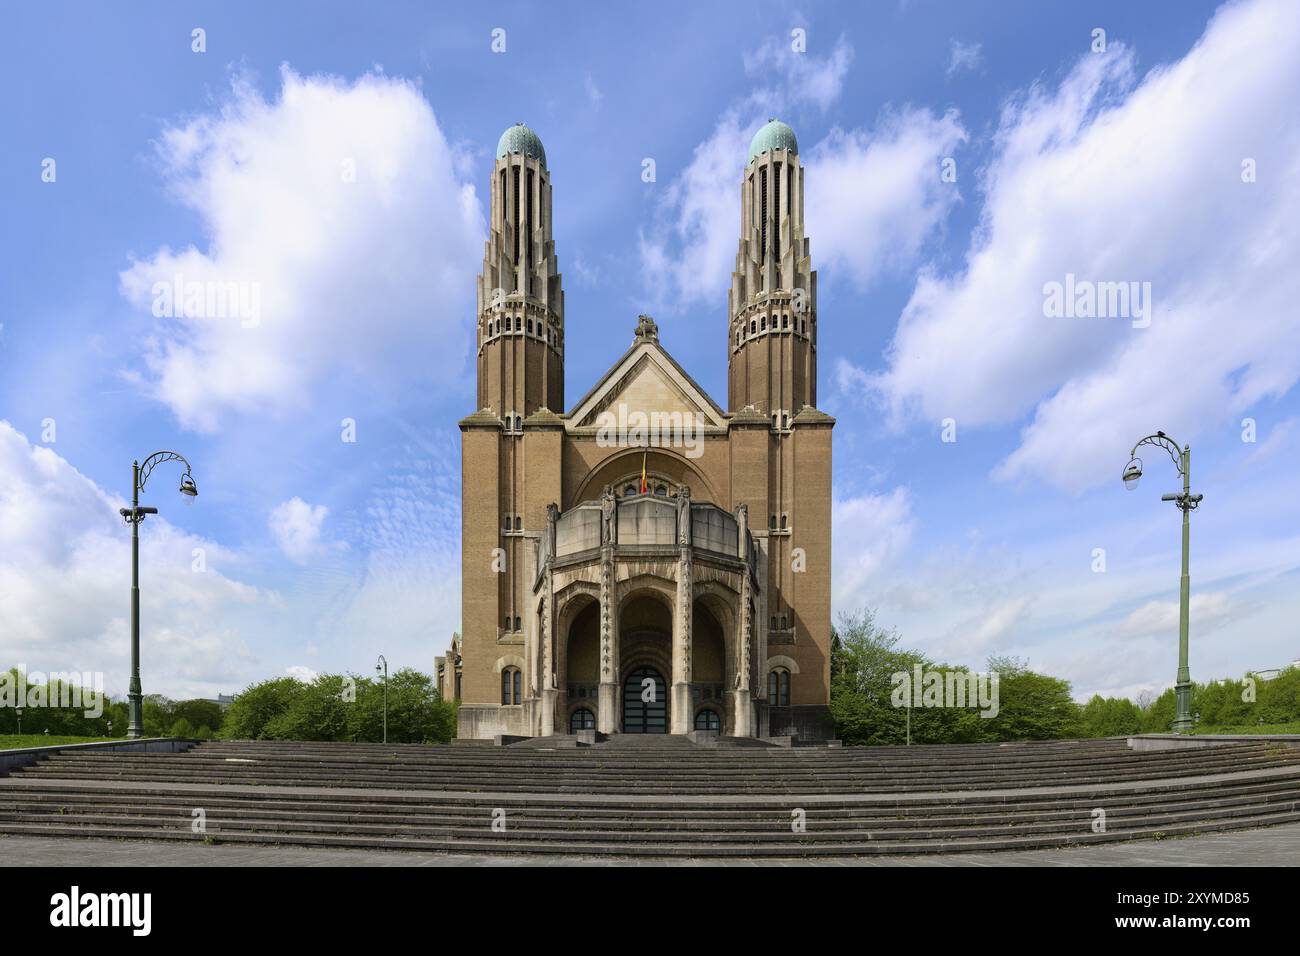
{"x": 514, "y": 170}
{"x": 512, "y": 686}
{"x": 763, "y": 324}
{"x": 753, "y": 327}
{"x": 785, "y": 322}
{"x": 771, "y": 522}
{"x": 778, "y": 687}
{"x": 785, "y": 521}
{"x": 776, "y": 226}
{"x": 762, "y": 243}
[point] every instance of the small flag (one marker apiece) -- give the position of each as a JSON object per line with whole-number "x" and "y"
{"x": 643, "y": 483}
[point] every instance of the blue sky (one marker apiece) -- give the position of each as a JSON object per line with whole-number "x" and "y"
{"x": 1119, "y": 164}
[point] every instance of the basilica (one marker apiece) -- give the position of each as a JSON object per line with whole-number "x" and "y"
{"x": 650, "y": 560}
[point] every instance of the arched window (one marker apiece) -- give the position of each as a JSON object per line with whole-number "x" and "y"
{"x": 630, "y": 490}
{"x": 707, "y": 719}
{"x": 763, "y": 323}
{"x": 785, "y": 321}
{"x": 753, "y": 326}
{"x": 505, "y": 624}
{"x": 582, "y": 719}
{"x": 661, "y": 491}
{"x": 530, "y": 326}
{"x": 512, "y": 686}
{"x": 774, "y": 622}
{"x": 785, "y": 521}
{"x": 519, "y": 523}
{"x": 771, "y": 522}
{"x": 517, "y": 624}
{"x": 778, "y": 687}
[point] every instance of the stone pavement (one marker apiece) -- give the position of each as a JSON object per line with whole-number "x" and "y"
{"x": 1271, "y": 846}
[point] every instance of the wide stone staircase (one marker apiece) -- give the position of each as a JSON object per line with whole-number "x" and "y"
{"x": 664, "y": 798}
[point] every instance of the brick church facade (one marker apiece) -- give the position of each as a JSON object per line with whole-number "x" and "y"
{"x": 649, "y": 561}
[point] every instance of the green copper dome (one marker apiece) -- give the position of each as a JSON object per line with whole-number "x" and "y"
{"x": 773, "y": 135}
{"x": 520, "y": 139}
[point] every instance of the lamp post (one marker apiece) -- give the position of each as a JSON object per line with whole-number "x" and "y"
{"x": 1186, "y": 502}
{"x": 18, "y": 712}
{"x": 384, "y": 661}
{"x": 140, "y": 472}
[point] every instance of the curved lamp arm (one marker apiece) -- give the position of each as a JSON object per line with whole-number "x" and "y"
{"x": 1161, "y": 440}
{"x": 157, "y": 458}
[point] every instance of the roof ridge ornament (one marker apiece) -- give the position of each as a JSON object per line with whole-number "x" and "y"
{"x": 647, "y": 330}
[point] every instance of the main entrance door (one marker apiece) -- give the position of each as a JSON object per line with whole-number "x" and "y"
{"x": 645, "y": 703}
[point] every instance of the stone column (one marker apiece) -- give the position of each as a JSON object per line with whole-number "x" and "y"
{"x": 744, "y": 713}
{"x": 549, "y": 691}
{"x": 681, "y": 717}
{"x": 607, "y": 699}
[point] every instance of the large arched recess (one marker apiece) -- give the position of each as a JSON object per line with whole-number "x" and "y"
{"x": 662, "y": 461}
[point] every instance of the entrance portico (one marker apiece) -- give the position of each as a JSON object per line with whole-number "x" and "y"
{"x": 646, "y": 607}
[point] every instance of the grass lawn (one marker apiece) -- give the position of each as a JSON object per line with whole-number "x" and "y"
{"x": 1291, "y": 728}
{"x": 19, "y": 741}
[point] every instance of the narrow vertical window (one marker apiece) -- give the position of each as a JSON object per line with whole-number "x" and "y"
{"x": 515, "y": 184}
{"x": 763, "y": 237}
{"x": 776, "y": 225}
{"x": 528, "y": 241}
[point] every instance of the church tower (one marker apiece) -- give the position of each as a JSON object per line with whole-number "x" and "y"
{"x": 772, "y": 383}
{"x": 511, "y": 445}
{"x": 520, "y": 299}
{"x": 772, "y": 305}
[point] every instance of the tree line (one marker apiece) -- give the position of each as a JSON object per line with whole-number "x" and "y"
{"x": 865, "y": 656}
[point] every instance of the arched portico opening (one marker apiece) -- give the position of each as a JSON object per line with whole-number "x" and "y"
{"x": 645, "y": 653}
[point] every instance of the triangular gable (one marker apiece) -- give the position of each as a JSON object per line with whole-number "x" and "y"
{"x": 646, "y": 379}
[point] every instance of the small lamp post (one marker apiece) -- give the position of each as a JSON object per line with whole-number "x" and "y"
{"x": 140, "y": 472}
{"x": 383, "y": 661}
{"x": 18, "y": 712}
{"x": 1187, "y": 503}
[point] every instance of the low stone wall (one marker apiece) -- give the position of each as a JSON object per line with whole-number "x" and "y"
{"x": 13, "y": 759}
{"x": 1183, "y": 741}
{"x": 807, "y": 723}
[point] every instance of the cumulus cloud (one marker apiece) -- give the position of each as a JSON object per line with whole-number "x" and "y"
{"x": 338, "y": 216}
{"x": 65, "y": 573}
{"x": 874, "y": 199}
{"x": 295, "y": 526}
{"x": 1112, "y": 178}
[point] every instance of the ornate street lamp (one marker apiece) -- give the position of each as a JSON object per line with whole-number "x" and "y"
{"x": 140, "y": 472}
{"x": 1187, "y": 503}
{"x": 384, "y": 661}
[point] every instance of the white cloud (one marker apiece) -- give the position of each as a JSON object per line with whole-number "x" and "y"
{"x": 806, "y": 77}
{"x": 302, "y": 673}
{"x": 65, "y": 573}
{"x": 594, "y": 94}
{"x": 1113, "y": 179}
{"x": 689, "y": 251}
{"x": 342, "y": 208}
{"x": 871, "y": 532}
{"x": 964, "y": 57}
{"x": 296, "y": 527}
{"x": 875, "y": 199}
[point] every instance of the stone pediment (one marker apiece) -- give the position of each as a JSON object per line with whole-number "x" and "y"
{"x": 646, "y": 380}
